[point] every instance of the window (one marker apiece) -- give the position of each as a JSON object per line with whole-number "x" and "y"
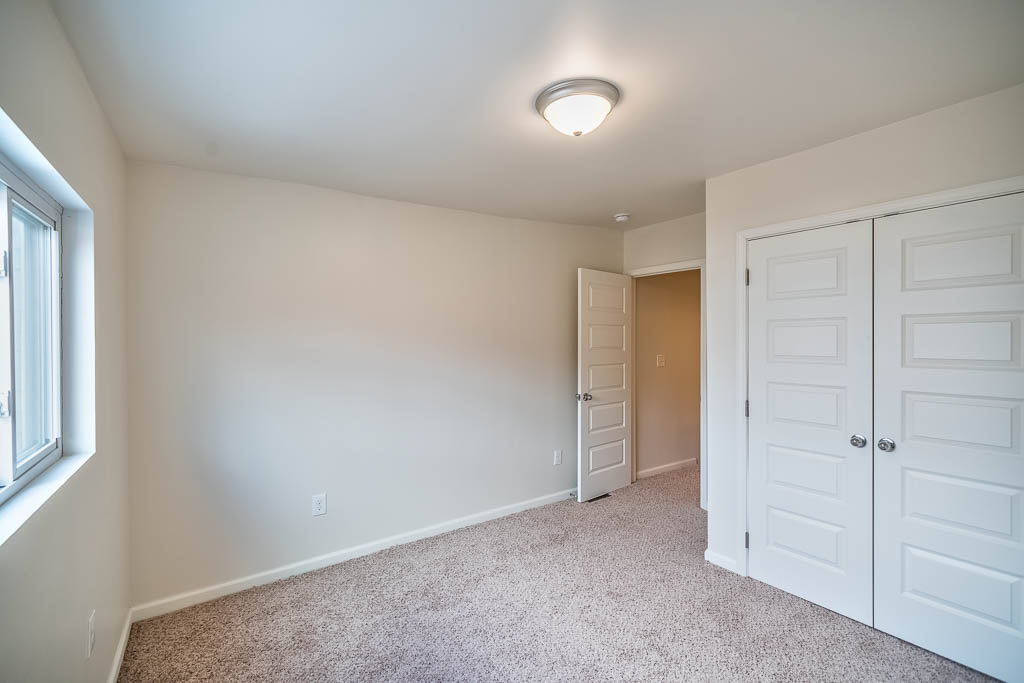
{"x": 29, "y": 331}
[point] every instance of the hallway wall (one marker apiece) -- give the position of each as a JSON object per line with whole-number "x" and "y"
{"x": 668, "y": 397}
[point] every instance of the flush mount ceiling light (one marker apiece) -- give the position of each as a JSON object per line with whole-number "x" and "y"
{"x": 578, "y": 106}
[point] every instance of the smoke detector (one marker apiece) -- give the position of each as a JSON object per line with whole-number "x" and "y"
{"x": 621, "y": 217}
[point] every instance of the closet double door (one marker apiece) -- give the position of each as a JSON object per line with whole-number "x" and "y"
{"x": 885, "y": 456}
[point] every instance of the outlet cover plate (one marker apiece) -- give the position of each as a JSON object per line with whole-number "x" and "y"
{"x": 92, "y": 636}
{"x": 319, "y": 504}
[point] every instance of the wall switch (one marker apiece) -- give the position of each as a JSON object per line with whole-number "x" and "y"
{"x": 558, "y": 457}
{"x": 659, "y": 360}
{"x": 319, "y": 504}
{"x": 92, "y": 635}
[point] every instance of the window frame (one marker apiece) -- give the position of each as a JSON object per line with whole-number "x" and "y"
{"x": 16, "y": 189}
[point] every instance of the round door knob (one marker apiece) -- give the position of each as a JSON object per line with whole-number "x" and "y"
{"x": 858, "y": 441}
{"x": 886, "y": 445}
{"x": 587, "y": 397}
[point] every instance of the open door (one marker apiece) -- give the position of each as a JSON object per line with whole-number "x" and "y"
{"x": 604, "y": 382}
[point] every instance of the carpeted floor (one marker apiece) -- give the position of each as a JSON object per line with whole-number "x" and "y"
{"x": 614, "y": 590}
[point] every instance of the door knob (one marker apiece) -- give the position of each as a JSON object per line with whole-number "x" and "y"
{"x": 886, "y": 445}
{"x": 858, "y": 441}
{"x": 587, "y": 397}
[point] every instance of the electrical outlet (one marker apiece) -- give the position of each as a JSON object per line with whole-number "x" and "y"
{"x": 319, "y": 504}
{"x": 659, "y": 360}
{"x": 92, "y": 635}
{"x": 558, "y": 457}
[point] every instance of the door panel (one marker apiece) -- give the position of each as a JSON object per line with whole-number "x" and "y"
{"x": 809, "y": 489}
{"x": 605, "y": 376}
{"x": 949, "y": 500}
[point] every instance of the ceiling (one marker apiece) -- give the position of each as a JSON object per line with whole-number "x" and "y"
{"x": 432, "y": 102}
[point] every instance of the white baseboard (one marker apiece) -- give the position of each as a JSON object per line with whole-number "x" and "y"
{"x": 722, "y": 561}
{"x": 122, "y": 643}
{"x": 661, "y": 469}
{"x": 187, "y": 599}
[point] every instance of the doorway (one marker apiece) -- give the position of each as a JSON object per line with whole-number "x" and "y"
{"x": 668, "y": 362}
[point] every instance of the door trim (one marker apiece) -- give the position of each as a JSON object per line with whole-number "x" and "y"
{"x": 675, "y": 267}
{"x": 915, "y": 203}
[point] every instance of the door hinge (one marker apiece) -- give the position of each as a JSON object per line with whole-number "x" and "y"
{"x": 3, "y": 266}
{"x": 748, "y": 277}
{"x": 746, "y": 408}
{"x": 746, "y": 539}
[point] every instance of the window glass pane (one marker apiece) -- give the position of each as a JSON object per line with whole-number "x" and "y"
{"x": 32, "y": 278}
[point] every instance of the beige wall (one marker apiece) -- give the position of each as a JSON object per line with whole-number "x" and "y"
{"x": 667, "y": 321}
{"x": 71, "y": 556}
{"x": 968, "y": 143}
{"x": 680, "y": 239}
{"x": 417, "y": 364}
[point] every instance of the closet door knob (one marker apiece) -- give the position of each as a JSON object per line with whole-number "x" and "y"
{"x": 886, "y": 445}
{"x": 858, "y": 441}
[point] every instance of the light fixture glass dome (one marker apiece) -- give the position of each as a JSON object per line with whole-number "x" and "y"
{"x": 578, "y": 106}
{"x": 577, "y": 114}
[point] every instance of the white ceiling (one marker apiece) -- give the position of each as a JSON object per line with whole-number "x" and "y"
{"x": 432, "y": 102}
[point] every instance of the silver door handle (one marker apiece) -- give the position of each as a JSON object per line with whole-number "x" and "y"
{"x": 886, "y": 445}
{"x": 587, "y": 397}
{"x": 858, "y": 441}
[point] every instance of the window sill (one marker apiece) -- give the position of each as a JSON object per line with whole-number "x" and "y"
{"x": 20, "y": 507}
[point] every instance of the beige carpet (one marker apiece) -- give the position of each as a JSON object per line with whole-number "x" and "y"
{"x": 614, "y": 590}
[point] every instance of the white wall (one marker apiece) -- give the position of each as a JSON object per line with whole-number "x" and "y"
{"x": 972, "y": 142}
{"x": 680, "y": 239}
{"x": 417, "y": 364}
{"x": 71, "y": 556}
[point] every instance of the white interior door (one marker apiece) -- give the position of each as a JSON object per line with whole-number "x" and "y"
{"x": 949, "y": 381}
{"x": 604, "y": 432}
{"x": 809, "y": 487}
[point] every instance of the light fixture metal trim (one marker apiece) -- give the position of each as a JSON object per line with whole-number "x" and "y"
{"x": 577, "y": 86}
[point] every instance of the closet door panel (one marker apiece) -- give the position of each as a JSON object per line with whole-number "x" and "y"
{"x": 810, "y": 391}
{"x": 949, "y": 393}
